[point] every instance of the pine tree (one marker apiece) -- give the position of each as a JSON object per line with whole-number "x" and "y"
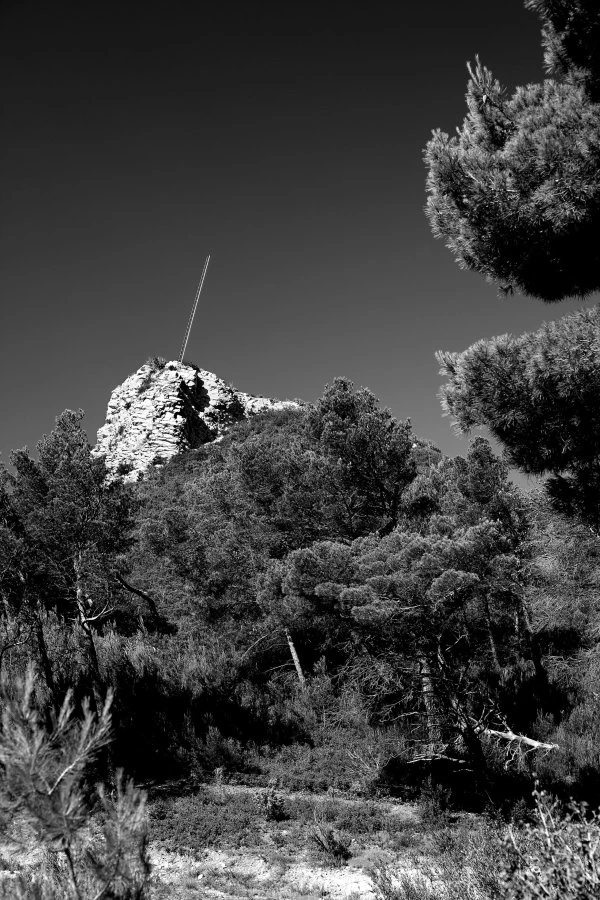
{"x": 571, "y": 40}
{"x": 516, "y": 192}
{"x": 62, "y": 528}
{"x": 370, "y": 450}
{"x": 516, "y": 195}
{"x": 443, "y": 600}
{"x": 45, "y": 779}
{"x": 538, "y": 394}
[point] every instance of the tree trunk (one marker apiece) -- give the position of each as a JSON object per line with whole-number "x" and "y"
{"x": 89, "y": 635}
{"x": 42, "y": 657}
{"x": 472, "y": 743}
{"x": 428, "y": 694}
{"x": 532, "y": 644}
{"x": 491, "y": 638}
{"x": 31, "y": 613}
{"x": 296, "y": 660}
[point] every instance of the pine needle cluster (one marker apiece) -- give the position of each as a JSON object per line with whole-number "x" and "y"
{"x": 516, "y": 192}
{"x": 95, "y": 840}
{"x": 538, "y": 394}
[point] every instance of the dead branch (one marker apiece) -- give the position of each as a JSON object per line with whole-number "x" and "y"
{"x": 510, "y": 736}
{"x": 432, "y": 757}
{"x": 106, "y": 611}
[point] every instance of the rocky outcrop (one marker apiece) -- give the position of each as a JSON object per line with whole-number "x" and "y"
{"x": 165, "y": 408}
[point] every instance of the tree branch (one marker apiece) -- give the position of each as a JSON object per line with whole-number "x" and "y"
{"x": 510, "y": 736}
{"x": 139, "y": 593}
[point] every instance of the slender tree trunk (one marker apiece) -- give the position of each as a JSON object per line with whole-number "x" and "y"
{"x": 475, "y": 750}
{"x": 32, "y": 613}
{"x": 74, "y": 882}
{"x": 491, "y": 638}
{"x": 296, "y": 660}
{"x": 532, "y": 644}
{"x": 42, "y": 656}
{"x": 430, "y": 702}
{"x": 89, "y": 634}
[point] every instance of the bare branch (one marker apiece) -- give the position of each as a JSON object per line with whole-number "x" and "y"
{"x": 510, "y": 736}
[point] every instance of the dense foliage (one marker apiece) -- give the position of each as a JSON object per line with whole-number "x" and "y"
{"x": 516, "y": 192}
{"x": 537, "y": 393}
{"x": 320, "y": 585}
{"x": 321, "y": 597}
{"x": 516, "y": 195}
{"x": 45, "y": 782}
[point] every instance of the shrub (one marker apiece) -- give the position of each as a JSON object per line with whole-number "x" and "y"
{"x": 45, "y": 777}
{"x": 467, "y": 863}
{"x": 364, "y": 818}
{"x": 202, "y": 820}
{"x": 555, "y": 858}
{"x": 156, "y": 363}
{"x": 330, "y": 841}
{"x": 402, "y": 888}
{"x": 273, "y": 803}
{"x": 342, "y": 758}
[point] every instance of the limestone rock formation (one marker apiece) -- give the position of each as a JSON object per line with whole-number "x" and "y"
{"x": 165, "y": 408}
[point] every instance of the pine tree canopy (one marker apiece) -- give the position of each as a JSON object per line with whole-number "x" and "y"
{"x": 571, "y": 40}
{"x": 538, "y": 394}
{"x": 516, "y": 192}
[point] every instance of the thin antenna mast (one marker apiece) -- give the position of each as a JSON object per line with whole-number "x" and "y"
{"x": 193, "y": 312}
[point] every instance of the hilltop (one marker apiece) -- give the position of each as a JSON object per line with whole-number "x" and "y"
{"x": 165, "y": 408}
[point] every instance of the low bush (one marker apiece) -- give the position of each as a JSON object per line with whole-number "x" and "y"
{"x": 202, "y": 820}
{"x": 273, "y": 804}
{"x": 554, "y": 857}
{"x": 364, "y": 818}
{"x": 331, "y": 842}
{"x": 156, "y": 363}
{"x": 557, "y": 857}
{"x": 342, "y": 759}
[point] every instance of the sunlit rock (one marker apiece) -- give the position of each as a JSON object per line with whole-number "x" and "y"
{"x": 165, "y": 408}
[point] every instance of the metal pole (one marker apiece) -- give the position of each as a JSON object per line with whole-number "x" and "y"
{"x": 193, "y": 312}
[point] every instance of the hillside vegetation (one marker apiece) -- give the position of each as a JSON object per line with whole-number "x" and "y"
{"x": 338, "y": 663}
{"x": 319, "y": 602}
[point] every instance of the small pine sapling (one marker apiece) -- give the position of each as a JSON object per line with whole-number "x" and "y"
{"x": 95, "y": 842}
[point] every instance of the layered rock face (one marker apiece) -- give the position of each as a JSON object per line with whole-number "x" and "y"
{"x": 166, "y": 408}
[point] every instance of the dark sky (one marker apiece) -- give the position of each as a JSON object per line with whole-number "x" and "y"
{"x": 287, "y": 142}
